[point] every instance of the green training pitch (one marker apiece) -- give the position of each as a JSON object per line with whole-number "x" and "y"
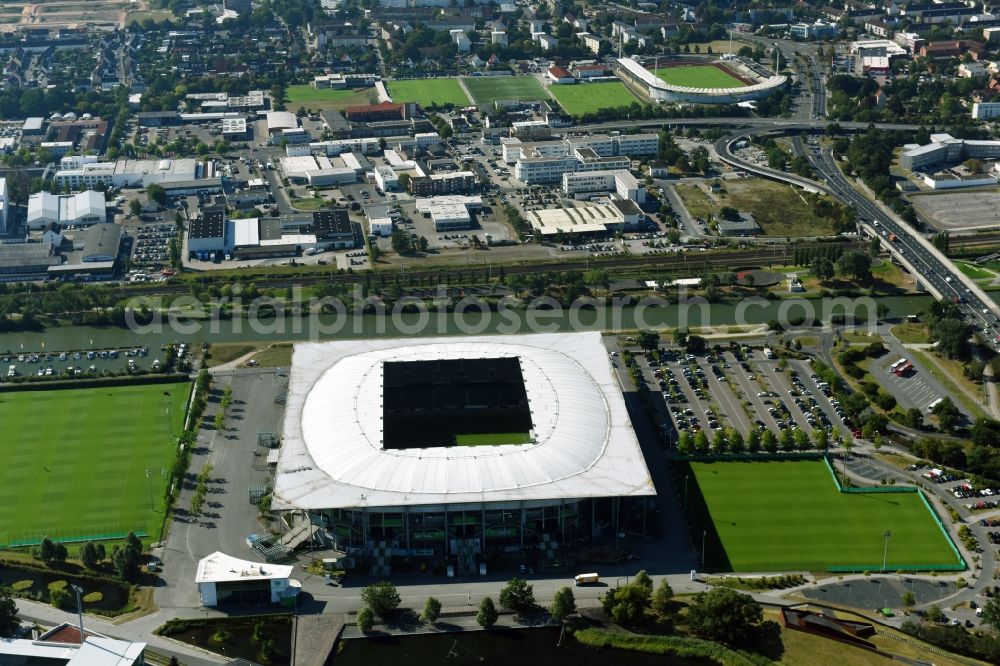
{"x": 492, "y": 439}
{"x": 325, "y": 99}
{"x": 789, "y": 516}
{"x": 75, "y": 460}
{"x": 488, "y": 89}
{"x": 428, "y": 92}
{"x": 583, "y": 98}
{"x": 698, "y": 76}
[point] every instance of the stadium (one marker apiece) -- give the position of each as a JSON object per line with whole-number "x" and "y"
{"x": 745, "y": 80}
{"x": 460, "y": 449}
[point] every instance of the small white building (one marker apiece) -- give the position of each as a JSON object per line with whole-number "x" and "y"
{"x": 386, "y": 178}
{"x": 461, "y": 40}
{"x": 223, "y": 579}
{"x": 3, "y": 205}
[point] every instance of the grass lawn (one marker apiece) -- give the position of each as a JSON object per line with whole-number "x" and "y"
{"x": 325, "y": 99}
{"x": 75, "y": 459}
{"x": 910, "y": 333}
{"x": 488, "y": 89}
{"x": 779, "y": 209}
{"x": 860, "y": 337}
{"x": 224, "y": 352}
{"x": 492, "y": 439}
{"x": 975, "y": 272}
{"x": 428, "y": 92}
{"x": 583, "y": 98}
{"x": 698, "y": 76}
{"x": 277, "y": 355}
{"x": 789, "y": 516}
{"x": 157, "y": 15}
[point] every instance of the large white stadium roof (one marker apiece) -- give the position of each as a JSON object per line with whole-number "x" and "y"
{"x": 332, "y": 454}
{"x": 653, "y": 81}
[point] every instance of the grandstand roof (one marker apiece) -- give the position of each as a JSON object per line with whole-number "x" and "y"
{"x": 649, "y": 78}
{"x": 333, "y": 455}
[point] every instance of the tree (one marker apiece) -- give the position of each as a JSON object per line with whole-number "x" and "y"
{"x": 822, "y": 268}
{"x": 724, "y": 615}
{"x": 381, "y": 597}
{"x": 517, "y": 595}
{"x": 769, "y": 441}
{"x": 401, "y": 242}
{"x": 432, "y": 610}
{"x": 156, "y": 193}
{"x": 935, "y": 614}
{"x": 909, "y": 600}
{"x": 135, "y": 207}
{"x": 649, "y": 340}
{"x": 88, "y": 555}
{"x": 948, "y": 414}
{"x": 563, "y": 604}
{"x": 642, "y": 578}
{"x": 487, "y": 615}
{"x": 9, "y": 622}
{"x": 991, "y": 613}
{"x": 662, "y": 597}
{"x": 125, "y": 561}
{"x": 47, "y": 550}
{"x": 628, "y": 603}
{"x": 59, "y": 553}
{"x": 365, "y": 619}
{"x": 855, "y": 264}
{"x": 914, "y": 418}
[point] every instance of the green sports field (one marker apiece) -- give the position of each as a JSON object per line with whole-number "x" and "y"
{"x": 75, "y": 460}
{"x": 583, "y": 98}
{"x": 789, "y": 516}
{"x": 428, "y": 92}
{"x": 698, "y": 76}
{"x": 492, "y": 439}
{"x": 324, "y": 99}
{"x": 488, "y": 89}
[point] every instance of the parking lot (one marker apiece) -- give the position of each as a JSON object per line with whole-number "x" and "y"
{"x": 738, "y": 387}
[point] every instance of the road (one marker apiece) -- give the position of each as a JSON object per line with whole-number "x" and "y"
{"x": 932, "y": 268}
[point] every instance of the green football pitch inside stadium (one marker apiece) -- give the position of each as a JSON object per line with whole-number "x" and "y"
{"x": 75, "y": 460}
{"x": 698, "y": 76}
{"x": 488, "y": 89}
{"x": 789, "y": 516}
{"x": 583, "y": 98}
{"x": 428, "y": 92}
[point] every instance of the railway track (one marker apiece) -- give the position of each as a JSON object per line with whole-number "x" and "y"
{"x": 654, "y": 265}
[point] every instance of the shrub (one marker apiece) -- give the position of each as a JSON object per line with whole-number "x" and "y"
{"x": 365, "y": 619}
{"x": 93, "y": 598}
{"x": 221, "y": 635}
{"x": 22, "y": 585}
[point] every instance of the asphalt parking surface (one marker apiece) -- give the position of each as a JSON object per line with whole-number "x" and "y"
{"x": 879, "y": 592}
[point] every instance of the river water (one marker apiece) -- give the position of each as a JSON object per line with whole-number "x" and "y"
{"x": 472, "y": 321}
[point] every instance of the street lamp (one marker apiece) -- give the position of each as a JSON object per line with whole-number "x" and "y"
{"x": 885, "y": 547}
{"x": 149, "y": 484}
{"x": 79, "y": 608}
{"x": 704, "y": 533}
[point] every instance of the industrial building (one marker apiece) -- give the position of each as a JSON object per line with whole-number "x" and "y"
{"x": 578, "y": 220}
{"x": 101, "y": 244}
{"x": 620, "y": 182}
{"x": 317, "y": 170}
{"x": 81, "y": 209}
{"x": 450, "y": 213}
{"x": 370, "y": 447}
{"x": 548, "y": 161}
{"x": 78, "y": 172}
{"x": 72, "y": 645}
{"x": 258, "y": 238}
{"x": 946, "y": 148}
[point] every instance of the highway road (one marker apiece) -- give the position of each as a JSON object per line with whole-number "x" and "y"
{"x": 939, "y": 275}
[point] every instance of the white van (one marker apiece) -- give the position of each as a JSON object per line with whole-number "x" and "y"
{"x": 586, "y": 579}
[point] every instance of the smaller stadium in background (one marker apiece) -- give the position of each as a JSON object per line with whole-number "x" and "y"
{"x": 757, "y": 81}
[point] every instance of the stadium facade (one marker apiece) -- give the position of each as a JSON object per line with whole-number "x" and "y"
{"x": 458, "y": 448}
{"x": 659, "y": 90}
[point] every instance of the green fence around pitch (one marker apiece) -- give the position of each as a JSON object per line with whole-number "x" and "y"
{"x": 78, "y": 538}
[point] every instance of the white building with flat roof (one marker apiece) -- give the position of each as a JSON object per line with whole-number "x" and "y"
{"x": 81, "y": 209}
{"x": 619, "y": 181}
{"x": 577, "y": 220}
{"x": 223, "y": 579}
{"x": 386, "y": 178}
{"x": 127, "y": 173}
